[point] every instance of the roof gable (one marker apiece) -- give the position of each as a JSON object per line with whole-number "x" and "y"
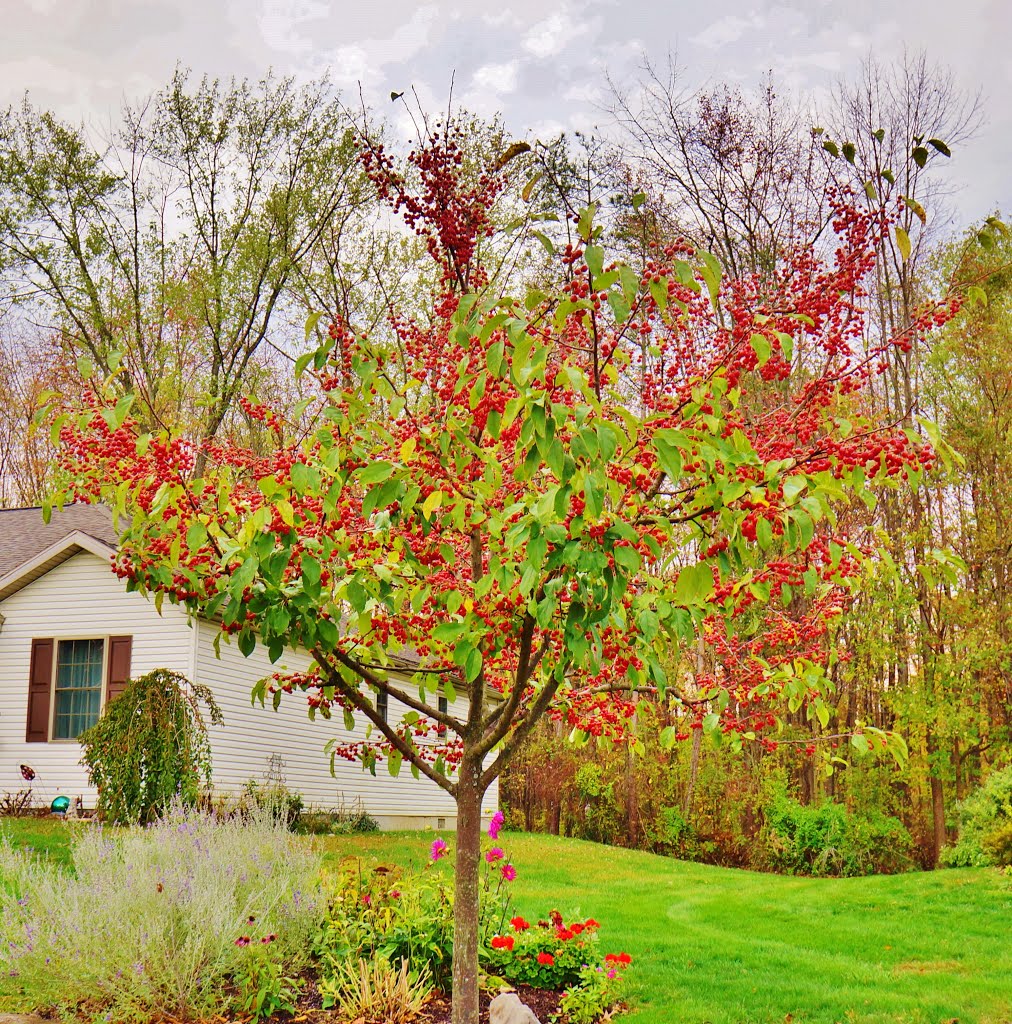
{"x": 24, "y": 534}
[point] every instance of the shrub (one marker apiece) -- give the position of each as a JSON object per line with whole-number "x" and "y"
{"x": 273, "y": 799}
{"x": 159, "y": 922}
{"x": 377, "y": 991}
{"x": 150, "y": 746}
{"x": 824, "y": 839}
{"x": 595, "y": 993}
{"x": 998, "y": 845}
{"x": 339, "y": 821}
{"x": 985, "y": 812}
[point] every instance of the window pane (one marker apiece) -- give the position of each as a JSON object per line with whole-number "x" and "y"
{"x": 78, "y": 686}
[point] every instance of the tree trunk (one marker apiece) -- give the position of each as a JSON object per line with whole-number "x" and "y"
{"x": 465, "y": 899}
{"x": 938, "y": 816}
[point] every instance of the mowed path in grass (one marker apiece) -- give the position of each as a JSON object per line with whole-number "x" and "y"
{"x": 737, "y": 947}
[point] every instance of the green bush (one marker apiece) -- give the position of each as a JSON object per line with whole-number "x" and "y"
{"x": 340, "y": 821}
{"x": 998, "y": 845}
{"x": 824, "y": 839}
{"x": 150, "y": 747}
{"x": 389, "y": 914}
{"x": 985, "y": 813}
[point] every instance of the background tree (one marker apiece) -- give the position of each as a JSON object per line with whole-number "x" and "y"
{"x": 166, "y": 252}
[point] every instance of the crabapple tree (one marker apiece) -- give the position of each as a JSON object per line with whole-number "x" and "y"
{"x": 527, "y": 500}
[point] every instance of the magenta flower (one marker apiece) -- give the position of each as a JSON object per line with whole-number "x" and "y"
{"x": 243, "y": 940}
{"x": 495, "y": 824}
{"x": 509, "y": 872}
{"x": 438, "y": 849}
{"x": 494, "y": 854}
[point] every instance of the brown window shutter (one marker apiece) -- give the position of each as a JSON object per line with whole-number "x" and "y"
{"x": 40, "y": 691}
{"x": 119, "y": 666}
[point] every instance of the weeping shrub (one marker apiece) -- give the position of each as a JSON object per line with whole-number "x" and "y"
{"x": 150, "y": 746}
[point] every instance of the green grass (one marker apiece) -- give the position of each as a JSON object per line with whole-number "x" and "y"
{"x": 735, "y": 947}
{"x": 48, "y": 837}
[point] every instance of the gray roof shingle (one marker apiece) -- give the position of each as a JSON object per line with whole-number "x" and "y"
{"x": 23, "y": 534}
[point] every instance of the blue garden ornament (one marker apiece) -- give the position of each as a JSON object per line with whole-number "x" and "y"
{"x": 60, "y": 805}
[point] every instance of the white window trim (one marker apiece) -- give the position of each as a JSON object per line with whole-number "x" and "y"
{"x": 57, "y": 640}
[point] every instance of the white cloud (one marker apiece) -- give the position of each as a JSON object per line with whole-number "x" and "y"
{"x": 725, "y": 31}
{"x": 497, "y": 78}
{"x": 279, "y": 22}
{"x": 551, "y": 36}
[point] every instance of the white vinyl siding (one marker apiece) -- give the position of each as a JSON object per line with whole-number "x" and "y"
{"x": 253, "y": 736}
{"x": 78, "y": 599}
{"x": 82, "y": 599}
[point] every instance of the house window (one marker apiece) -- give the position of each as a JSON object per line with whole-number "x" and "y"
{"x": 78, "y": 687}
{"x": 444, "y": 707}
{"x": 382, "y": 704}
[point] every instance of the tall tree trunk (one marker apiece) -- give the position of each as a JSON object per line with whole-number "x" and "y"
{"x": 465, "y": 899}
{"x": 690, "y": 789}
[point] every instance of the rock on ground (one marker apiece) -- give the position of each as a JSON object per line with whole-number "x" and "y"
{"x": 507, "y": 1009}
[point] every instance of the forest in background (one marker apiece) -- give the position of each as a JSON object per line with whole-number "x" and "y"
{"x": 184, "y": 256}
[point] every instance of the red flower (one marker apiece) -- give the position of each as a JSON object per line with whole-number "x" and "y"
{"x": 624, "y": 958}
{"x": 503, "y": 942}
{"x": 546, "y": 959}
{"x": 590, "y": 923}
{"x": 618, "y": 958}
{"x": 519, "y": 924}
{"x": 563, "y": 933}
{"x": 576, "y": 929}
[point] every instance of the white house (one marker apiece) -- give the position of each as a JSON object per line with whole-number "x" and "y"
{"x": 71, "y": 635}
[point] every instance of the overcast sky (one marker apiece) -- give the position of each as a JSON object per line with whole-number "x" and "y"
{"x": 543, "y": 65}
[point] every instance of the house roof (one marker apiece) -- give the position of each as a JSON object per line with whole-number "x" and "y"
{"x": 30, "y": 547}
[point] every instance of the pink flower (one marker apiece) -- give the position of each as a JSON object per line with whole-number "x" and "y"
{"x": 438, "y": 849}
{"x": 243, "y": 940}
{"x": 509, "y": 872}
{"x": 495, "y": 824}
{"x": 494, "y": 854}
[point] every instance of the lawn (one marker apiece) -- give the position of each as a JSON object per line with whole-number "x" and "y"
{"x": 734, "y": 947}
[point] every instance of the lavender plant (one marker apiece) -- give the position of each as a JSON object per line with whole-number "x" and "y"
{"x": 160, "y": 920}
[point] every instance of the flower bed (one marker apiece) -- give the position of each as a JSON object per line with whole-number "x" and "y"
{"x": 200, "y": 916}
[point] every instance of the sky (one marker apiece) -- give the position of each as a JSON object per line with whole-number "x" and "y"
{"x": 546, "y": 67}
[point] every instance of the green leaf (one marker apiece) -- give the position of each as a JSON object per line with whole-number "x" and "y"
{"x": 920, "y": 155}
{"x": 940, "y": 146}
{"x": 594, "y": 257}
{"x": 545, "y": 241}
{"x": 305, "y": 479}
{"x": 831, "y": 147}
{"x": 311, "y": 321}
{"x": 374, "y": 473}
{"x": 849, "y": 152}
{"x": 762, "y": 348}
{"x": 902, "y": 242}
{"x": 915, "y": 208}
{"x": 695, "y": 582}
{"x": 196, "y": 535}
